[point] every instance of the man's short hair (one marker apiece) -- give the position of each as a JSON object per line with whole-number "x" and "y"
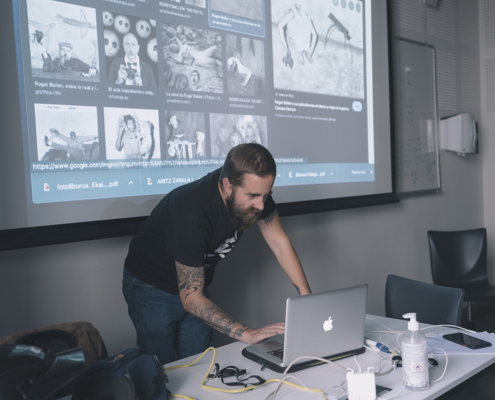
{"x": 65, "y": 44}
{"x": 127, "y": 118}
{"x": 247, "y": 158}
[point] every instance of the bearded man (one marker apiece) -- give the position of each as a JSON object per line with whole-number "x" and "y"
{"x": 172, "y": 258}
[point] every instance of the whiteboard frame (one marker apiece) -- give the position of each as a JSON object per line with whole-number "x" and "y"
{"x": 438, "y": 188}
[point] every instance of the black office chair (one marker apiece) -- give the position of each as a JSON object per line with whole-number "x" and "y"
{"x": 458, "y": 259}
{"x": 436, "y": 305}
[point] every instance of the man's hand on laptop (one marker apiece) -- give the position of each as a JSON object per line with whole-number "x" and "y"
{"x": 253, "y": 336}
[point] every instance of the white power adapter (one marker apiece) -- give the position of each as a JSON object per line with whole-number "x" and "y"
{"x": 361, "y": 385}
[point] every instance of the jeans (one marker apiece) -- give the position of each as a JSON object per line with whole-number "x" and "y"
{"x": 162, "y": 323}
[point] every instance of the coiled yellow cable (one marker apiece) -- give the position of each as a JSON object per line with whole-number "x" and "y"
{"x": 319, "y": 391}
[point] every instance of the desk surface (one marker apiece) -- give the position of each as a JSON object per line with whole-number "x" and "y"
{"x": 187, "y": 381}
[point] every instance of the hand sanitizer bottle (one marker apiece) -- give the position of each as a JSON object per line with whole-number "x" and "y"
{"x": 414, "y": 356}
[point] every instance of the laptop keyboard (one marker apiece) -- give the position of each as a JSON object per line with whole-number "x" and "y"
{"x": 277, "y": 353}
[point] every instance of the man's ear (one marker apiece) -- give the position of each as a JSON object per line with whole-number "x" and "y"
{"x": 227, "y": 186}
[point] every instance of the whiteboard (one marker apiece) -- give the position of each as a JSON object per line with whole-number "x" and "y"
{"x": 416, "y": 124}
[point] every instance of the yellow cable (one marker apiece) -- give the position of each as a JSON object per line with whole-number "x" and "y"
{"x": 233, "y": 390}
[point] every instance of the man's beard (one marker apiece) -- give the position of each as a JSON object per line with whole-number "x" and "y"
{"x": 240, "y": 218}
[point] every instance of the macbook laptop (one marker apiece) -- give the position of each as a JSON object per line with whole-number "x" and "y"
{"x": 328, "y": 325}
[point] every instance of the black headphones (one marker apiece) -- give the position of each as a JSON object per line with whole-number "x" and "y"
{"x": 231, "y": 371}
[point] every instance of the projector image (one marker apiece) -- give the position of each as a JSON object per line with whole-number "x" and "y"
{"x": 459, "y": 133}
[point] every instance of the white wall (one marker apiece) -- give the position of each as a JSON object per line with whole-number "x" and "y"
{"x": 82, "y": 281}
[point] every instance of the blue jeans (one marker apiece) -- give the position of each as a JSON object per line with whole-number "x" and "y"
{"x": 162, "y": 323}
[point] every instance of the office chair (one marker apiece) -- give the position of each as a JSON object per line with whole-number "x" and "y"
{"x": 458, "y": 259}
{"x": 436, "y": 305}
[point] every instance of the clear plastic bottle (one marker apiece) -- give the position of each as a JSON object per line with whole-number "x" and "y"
{"x": 414, "y": 356}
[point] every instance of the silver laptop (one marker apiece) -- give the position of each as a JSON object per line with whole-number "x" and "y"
{"x": 327, "y": 324}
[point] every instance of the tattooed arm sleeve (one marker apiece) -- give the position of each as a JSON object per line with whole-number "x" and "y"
{"x": 191, "y": 284}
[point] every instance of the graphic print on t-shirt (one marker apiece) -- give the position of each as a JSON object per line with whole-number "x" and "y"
{"x": 221, "y": 252}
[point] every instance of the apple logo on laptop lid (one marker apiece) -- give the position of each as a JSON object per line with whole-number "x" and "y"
{"x": 328, "y": 324}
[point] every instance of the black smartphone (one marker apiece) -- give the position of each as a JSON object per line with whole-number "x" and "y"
{"x": 467, "y": 341}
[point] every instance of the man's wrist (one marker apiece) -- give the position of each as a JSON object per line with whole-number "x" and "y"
{"x": 245, "y": 335}
{"x": 240, "y": 333}
{"x": 303, "y": 289}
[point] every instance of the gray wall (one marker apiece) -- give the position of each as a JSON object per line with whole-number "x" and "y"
{"x": 487, "y": 125}
{"x": 82, "y": 281}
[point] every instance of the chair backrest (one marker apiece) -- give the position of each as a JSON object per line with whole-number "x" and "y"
{"x": 432, "y": 304}
{"x": 458, "y": 258}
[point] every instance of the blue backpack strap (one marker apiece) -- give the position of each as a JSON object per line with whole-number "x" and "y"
{"x": 151, "y": 389}
{"x": 158, "y": 380}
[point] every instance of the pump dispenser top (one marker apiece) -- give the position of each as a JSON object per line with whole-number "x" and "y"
{"x": 413, "y": 324}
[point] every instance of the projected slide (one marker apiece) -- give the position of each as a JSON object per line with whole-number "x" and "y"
{"x": 64, "y": 43}
{"x": 312, "y": 49}
{"x": 131, "y": 98}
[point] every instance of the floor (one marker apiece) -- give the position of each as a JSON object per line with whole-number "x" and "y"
{"x": 484, "y": 387}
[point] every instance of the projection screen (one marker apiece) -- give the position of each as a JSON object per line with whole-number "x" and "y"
{"x": 108, "y": 105}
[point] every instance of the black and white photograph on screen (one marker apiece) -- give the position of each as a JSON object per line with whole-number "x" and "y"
{"x": 66, "y": 133}
{"x": 251, "y": 9}
{"x": 318, "y": 47}
{"x": 63, "y": 41}
{"x": 230, "y": 130}
{"x": 197, "y": 3}
{"x": 245, "y": 66}
{"x": 132, "y": 134}
{"x": 193, "y": 59}
{"x": 185, "y": 134}
{"x": 131, "y": 50}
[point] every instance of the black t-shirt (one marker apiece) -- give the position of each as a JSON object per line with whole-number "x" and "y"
{"x": 189, "y": 225}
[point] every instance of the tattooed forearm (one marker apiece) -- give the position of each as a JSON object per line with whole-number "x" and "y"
{"x": 297, "y": 288}
{"x": 190, "y": 279}
{"x": 214, "y": 316}
{"x": 268, "y": 220}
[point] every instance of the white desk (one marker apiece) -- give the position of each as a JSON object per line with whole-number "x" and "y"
{"x": 187, "y": 381}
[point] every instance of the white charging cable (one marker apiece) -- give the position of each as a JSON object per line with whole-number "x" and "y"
{"x": 274, "y": 393}
{"x": 357, "y": 362}
{"x": 446, "y": 363}
{"x": 390, "y": 330}
{"x": 449, "y": 326}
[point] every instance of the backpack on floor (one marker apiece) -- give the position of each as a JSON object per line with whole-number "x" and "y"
{"x": 130, "y": 375}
